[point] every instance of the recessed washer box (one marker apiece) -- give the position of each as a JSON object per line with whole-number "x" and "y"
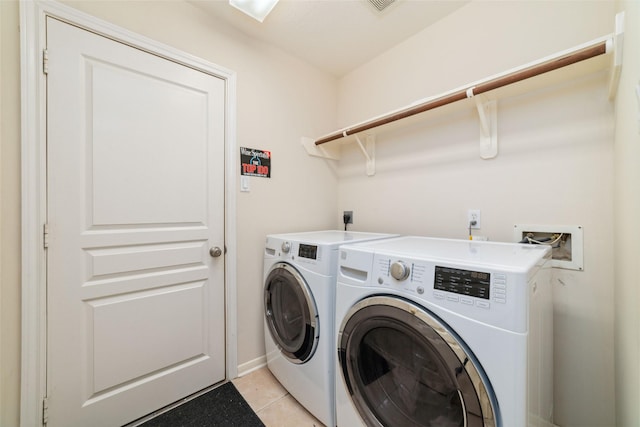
{"x": 566, "y": 242}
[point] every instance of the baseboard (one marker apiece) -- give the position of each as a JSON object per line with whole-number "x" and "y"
{"x": 252, "y": 365}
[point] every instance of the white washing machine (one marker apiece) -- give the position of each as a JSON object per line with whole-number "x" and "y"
{"x": 438, "y": 332}
{"x": 299, "y": 302}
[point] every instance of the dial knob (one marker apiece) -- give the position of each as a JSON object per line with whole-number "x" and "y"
{"x": 286, "y": 247}
{"x": 399, "y": 270}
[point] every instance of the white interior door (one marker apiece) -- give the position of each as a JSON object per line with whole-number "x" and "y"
{"x": 135, "y": 201}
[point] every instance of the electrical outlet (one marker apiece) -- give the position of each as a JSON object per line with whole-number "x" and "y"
{"x": 348, "y": 217}
{"x": 473, "y": 218}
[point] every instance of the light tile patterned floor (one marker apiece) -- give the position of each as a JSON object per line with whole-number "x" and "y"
{"x": 273, "y": 404}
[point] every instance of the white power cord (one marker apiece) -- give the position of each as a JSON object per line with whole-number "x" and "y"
{"x": 530, "y": 240}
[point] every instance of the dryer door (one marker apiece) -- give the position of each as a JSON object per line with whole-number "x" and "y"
{"x": 403, "y": 367}
{"x": 291, "y": 313}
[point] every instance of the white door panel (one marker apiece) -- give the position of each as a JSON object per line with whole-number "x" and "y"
{"x": 135, "y": 200}
{"x": 143, "y": 336}
{"x": 160, "y": 156}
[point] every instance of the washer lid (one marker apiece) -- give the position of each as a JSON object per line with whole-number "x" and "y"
{"x": 497, "y": 255}
{"x": 330, "y": 237}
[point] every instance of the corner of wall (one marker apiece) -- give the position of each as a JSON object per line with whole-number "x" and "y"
{"x": 627, "y": 210}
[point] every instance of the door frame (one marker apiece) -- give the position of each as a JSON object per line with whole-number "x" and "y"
{"x": 33, "y": 16}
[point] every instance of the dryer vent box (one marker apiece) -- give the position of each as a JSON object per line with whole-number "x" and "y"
{"x": 565, "y": 240}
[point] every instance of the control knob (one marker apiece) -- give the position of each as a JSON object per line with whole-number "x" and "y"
{"x": 399, "y": 270}
{"x": 286, "y": 247}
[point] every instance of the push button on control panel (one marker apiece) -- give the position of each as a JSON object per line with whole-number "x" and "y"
{"x": 499, "y": 288}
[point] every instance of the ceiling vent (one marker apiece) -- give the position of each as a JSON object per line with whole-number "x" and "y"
{"x": 381, "y": 4}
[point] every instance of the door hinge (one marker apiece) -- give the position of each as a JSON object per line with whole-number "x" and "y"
{"x": 45, "y": 235}
{"x": 45, "y": 61}
{"x": 45, "y": 411}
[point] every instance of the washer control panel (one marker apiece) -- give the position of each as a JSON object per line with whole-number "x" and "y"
{"x": 462, "y": 282}
{"x": 444, "y": 283}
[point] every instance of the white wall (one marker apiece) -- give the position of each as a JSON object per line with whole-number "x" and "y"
{"x": 9, "y": 214}
{"x": 279, "y": 99}
{"x": 479, "y": 40}
{"x": 555, "y": 165}
{"x": 627, "y": 212}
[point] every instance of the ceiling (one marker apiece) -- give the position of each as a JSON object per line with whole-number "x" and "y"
{"x": 336, "y": 36}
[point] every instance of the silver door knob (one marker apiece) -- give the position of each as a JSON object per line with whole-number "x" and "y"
{"x": 215, "y": 252}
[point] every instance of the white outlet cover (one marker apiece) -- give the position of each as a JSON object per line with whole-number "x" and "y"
{"x": 471, "y": 213}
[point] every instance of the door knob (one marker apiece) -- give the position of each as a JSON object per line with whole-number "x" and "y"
{"x": 215, "y": 252}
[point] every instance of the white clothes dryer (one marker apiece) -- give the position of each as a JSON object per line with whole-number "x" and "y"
{"x": 439, "y": 332}
{"x": 299, "y": 303}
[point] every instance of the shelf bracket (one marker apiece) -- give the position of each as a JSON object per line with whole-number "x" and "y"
{"x": 615, "y": 44}
{"x": 488, "y": 115}
{"x": 369, "y": 151}
{"x": 329, "y": 153}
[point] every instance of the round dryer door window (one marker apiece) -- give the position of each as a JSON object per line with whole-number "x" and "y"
{"x": 291, "y": 314}
{"x": 403, "y": 367}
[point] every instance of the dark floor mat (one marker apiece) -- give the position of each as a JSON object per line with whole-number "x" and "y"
{"x": 222, "y": 406}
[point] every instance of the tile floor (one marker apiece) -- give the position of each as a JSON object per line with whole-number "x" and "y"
{"x": 273, "y": 404}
